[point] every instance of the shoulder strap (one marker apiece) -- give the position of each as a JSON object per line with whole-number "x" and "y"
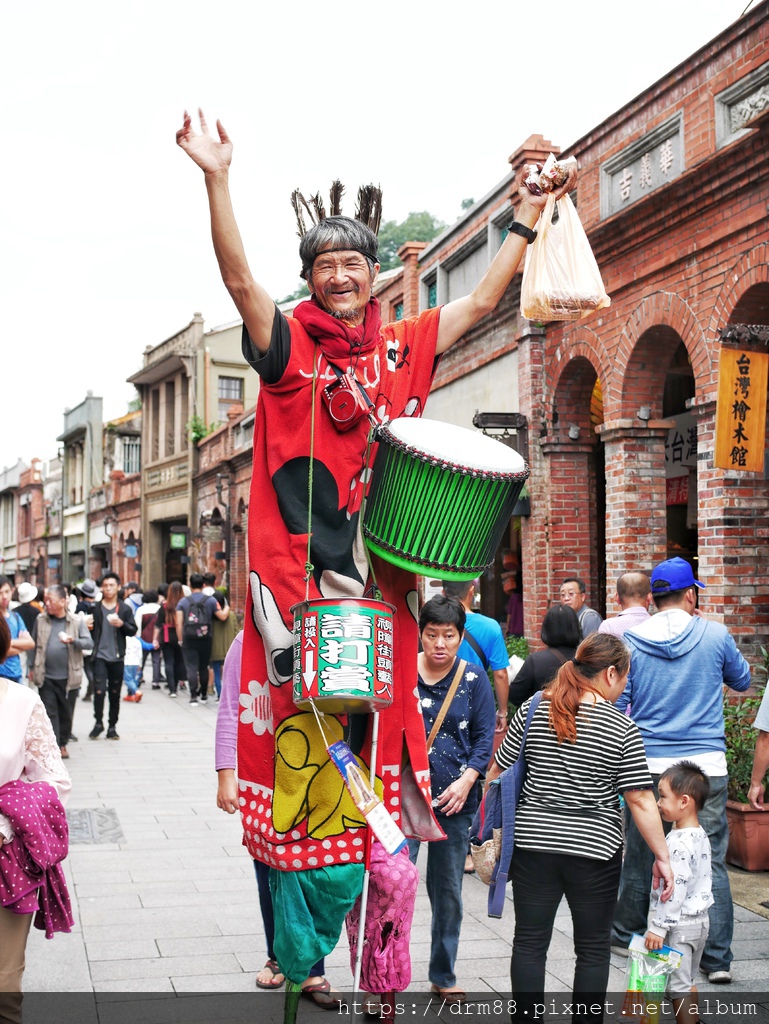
{"x": 339, "y": 374}
{"x": 544, "y": 676}
{"x": 511, "y": 781}
{"x": 476, "y": 647}
{"x": 445, "y": 706}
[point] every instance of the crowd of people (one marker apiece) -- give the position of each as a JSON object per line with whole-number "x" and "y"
{"x": 102, "y": 633}
{"x": 630, "y": 710}
{"x": 586, "y": 755}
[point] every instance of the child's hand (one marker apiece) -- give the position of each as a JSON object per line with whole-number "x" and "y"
{"x": 227, "y": 790}
{"x": 653, "y": 941}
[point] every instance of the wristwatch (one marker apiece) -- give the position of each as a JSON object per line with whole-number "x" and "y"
{"x": 520, "y": 229}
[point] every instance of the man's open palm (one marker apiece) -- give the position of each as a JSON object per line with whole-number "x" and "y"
{"x": 209, "y": 153}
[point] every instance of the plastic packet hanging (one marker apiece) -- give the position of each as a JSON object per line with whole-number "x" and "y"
{"x": 561, "y": 279}
{"x": 552, "y": 174}
{"x": 365, "y": 799}
{"x": 647, "y": 975}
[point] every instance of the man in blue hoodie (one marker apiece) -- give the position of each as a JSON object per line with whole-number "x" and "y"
{"x": 679, "y": 663}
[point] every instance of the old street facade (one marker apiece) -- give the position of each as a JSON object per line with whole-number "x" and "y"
{"x": 616, "y": 414}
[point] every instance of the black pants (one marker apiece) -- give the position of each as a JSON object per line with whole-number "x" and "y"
{"x": 88, "y": 672}
{"x": 53, "y": 694}
{"x": 197, "y": 654}
{"x": 174, "y": 662}
{"x": 72, "y": 696}
{"x": 107, "y": 679}
{"x": 540, "y": 880}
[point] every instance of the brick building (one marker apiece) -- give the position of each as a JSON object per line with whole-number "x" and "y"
{"x": 222, "y": 490}
{"x": 10, "y": 479}
{"x": 620, "y": 407}
{"x": 82, "y": 470}
{"x": 188, "y": 384}
{"x": 114, "y": 507}
{"x": 30, "y": 536}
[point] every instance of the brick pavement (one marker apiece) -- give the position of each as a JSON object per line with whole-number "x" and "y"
{"x": 168, "y": 904}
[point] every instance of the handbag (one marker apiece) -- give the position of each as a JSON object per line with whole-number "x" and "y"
{"x": 492, "y": 833}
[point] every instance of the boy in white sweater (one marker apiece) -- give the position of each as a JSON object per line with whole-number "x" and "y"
{"x": 682, "y": 922}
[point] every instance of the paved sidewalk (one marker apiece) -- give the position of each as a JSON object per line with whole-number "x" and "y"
{"x": 165, "y": 900}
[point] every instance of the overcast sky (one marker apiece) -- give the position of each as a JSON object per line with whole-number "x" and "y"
{"x": 104, "y": 245}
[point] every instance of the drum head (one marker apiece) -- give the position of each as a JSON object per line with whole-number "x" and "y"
{"x": 456, "y": 445}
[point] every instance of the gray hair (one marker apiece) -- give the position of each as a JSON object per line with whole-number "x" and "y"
{"x": 58, "y": 591}
{"x": 337, "y": 233}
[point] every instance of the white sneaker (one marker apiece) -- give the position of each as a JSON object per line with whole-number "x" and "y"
{"x": 720, "y": 977}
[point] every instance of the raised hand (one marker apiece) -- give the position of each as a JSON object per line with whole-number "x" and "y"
{"x": 208, "y": 153}
{"x": 538, "y": 202}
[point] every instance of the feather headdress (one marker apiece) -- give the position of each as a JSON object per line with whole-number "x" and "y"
{"x": 368, "y": 209}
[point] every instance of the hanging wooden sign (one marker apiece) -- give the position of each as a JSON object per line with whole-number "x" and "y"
{"x": 741, "y": 410}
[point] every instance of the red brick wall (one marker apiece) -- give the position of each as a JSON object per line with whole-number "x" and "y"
{"x": 679, "y": 264}
{"x": 218, "y": 455}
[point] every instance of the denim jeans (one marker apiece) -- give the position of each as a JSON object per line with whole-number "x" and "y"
{"x": 217, "y": 667}
{"x": 633, "y": 901}
{"x": 445, "y": 873}
{"x": 131, "y": 678}
{"x": 157, "y": 675}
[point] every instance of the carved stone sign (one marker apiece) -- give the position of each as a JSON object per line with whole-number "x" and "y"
{"x": 739, "y": 105}
{"x": 645, "y": 165}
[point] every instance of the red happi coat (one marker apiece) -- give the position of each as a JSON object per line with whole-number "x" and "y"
{"x": 296, "y": 812}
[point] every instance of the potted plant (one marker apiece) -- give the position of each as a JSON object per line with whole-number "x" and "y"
{"x": 748, "y": 829}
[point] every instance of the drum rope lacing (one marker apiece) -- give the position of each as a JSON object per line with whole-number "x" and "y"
{"x": 452, "y": 467}
{"x": 376, "y": 592}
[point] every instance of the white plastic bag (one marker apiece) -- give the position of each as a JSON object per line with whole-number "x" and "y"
{"x": 561, "y": 279}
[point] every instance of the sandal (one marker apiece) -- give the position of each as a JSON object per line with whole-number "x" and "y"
{"x": 450, "y": 995}
{"x": 272, "y": 966}
{"x": 372, "y": 1006}
{"x": 320, "y": 994}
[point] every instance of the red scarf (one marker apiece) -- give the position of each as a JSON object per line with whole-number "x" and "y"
{"x": 336, "y": 339}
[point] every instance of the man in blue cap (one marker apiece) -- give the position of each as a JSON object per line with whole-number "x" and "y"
{"x": 679, "y": 665}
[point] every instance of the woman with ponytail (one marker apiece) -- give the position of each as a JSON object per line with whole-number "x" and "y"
{"x": 581, "y": 753}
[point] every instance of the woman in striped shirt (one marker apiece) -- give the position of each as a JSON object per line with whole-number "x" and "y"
{"x": 580, "y": 754}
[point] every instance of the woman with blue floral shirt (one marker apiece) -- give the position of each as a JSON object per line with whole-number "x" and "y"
{"x": 458, "y": 756}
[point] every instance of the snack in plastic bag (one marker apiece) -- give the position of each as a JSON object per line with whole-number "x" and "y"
{"x": 647, "y": 975}
{"x": 561, "y": 279}
{"x": 553, "y": 174}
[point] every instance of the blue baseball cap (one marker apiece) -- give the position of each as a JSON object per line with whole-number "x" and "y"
{"x": 674, "y": 574}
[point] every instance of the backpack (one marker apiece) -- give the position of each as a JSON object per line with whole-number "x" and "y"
{"x": 197, "y": 617}
{"x": 148, "y": 627}
{"x": 496, "y": 814}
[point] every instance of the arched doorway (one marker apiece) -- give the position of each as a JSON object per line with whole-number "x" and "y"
{"x": 577, "y": 498}
{"x": 680, "y": 456}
